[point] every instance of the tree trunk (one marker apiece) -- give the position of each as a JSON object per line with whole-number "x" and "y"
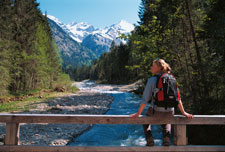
{"x": 199, "y": 59}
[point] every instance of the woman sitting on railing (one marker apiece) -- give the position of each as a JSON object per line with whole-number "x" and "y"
{"x": 162, "y": 91}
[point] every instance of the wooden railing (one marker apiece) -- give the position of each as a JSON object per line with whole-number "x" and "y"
{"x": 13, "y": 120}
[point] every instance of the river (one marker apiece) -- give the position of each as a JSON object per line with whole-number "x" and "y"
{"x": 124, "y": 103}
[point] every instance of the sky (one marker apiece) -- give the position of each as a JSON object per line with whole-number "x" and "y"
{"x": 100, "y": 13}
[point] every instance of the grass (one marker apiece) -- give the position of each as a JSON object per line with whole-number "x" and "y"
{"x": 24, "y": 100}
{"x": 28, "y": 103}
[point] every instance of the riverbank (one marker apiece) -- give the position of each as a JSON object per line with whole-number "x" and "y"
{"x": 81, "y": 102}
{"x": 135, "y": 87}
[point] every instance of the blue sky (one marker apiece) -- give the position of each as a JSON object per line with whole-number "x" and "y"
{"x": 99, "y": 13}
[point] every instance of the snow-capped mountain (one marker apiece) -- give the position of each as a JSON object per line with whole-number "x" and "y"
{"x": 71, "y": 52}
{"x": 78, "y": 31}
{"x": 122, "y": 27}
{"x": 58, "y": 22}
{"x": 98, "y": 40}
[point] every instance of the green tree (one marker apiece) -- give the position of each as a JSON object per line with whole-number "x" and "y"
{"x": 29, "y": 56}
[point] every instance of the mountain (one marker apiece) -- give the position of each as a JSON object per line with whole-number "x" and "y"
{"x": 122, "y": 27}
{"x": 72, "y": 52}
{"x": 98, "y": 40}
{"x": 97, "y": 43}
{"x": 78, "y": 31}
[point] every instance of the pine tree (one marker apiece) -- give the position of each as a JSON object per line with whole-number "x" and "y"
{"x": 30, "y": 60}
{"x": 5, "y": 45}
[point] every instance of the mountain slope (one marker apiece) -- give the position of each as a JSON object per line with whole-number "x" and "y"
{"x": 97, "y": 43}
{"x": 71, "y": 51}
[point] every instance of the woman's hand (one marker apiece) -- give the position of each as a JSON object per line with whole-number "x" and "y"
{"x": 189, "y": 116}
{"x": 180, "y": 105}
{"x": 134, "y": 116}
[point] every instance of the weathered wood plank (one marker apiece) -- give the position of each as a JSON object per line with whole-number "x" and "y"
{"x": 180, "y": 138}
{"x": 109, "y": 119}
{"x": 12, "y": 134}
{"x": 111, "y": 149}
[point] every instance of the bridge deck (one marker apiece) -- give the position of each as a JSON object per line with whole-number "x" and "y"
{"x": 111, "y": 149}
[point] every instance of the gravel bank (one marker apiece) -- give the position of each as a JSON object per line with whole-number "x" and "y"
{"x": 61, "y": 134}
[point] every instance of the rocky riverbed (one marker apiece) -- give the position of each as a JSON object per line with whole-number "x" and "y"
{"x": 83, "y": 102}
{"x": 61, "y": 134}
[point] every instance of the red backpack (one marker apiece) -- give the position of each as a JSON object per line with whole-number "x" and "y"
{"x": 166, "y": 93}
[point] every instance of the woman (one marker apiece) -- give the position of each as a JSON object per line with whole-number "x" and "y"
{"x": 158, "y": 67}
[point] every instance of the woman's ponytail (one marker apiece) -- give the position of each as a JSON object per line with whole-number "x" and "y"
{"x": 165, "y": 66}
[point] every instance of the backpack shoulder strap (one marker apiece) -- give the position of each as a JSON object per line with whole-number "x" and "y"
{"x": 159, "y": 80}
{"x": 156, "y": 85}
{"x": 177, "y": 89}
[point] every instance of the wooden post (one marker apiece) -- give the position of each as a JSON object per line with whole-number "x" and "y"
{"x": 12, "y": 134}
{"x": 180, "y": 138}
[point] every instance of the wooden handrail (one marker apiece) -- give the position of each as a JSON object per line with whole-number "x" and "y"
{"x": 110, "y": 119}
{"x": 13, "y": 120}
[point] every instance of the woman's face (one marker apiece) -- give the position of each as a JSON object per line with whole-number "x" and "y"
{"x": 155, "y": 68}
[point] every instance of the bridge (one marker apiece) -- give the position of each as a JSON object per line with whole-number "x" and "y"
{"x": 180, "y": 140}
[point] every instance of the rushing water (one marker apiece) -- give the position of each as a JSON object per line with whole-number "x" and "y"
{"x": 124, "y": 103}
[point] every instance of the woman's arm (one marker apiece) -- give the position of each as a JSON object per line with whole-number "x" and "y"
{"x": 181, "y": 108}
{"x": 141, "y": 108}
{"x": 147, "y": 95}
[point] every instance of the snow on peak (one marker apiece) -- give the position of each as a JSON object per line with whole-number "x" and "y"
{"x": 124, "y": 26}
{"x": 79, "y": 31}
{"x": 73, "y": 23}
{"x": 82, "y": 26}
{"x": 55, "y": 19}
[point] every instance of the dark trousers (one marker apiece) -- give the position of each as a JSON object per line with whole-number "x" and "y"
{"x": 166, "y": 127}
